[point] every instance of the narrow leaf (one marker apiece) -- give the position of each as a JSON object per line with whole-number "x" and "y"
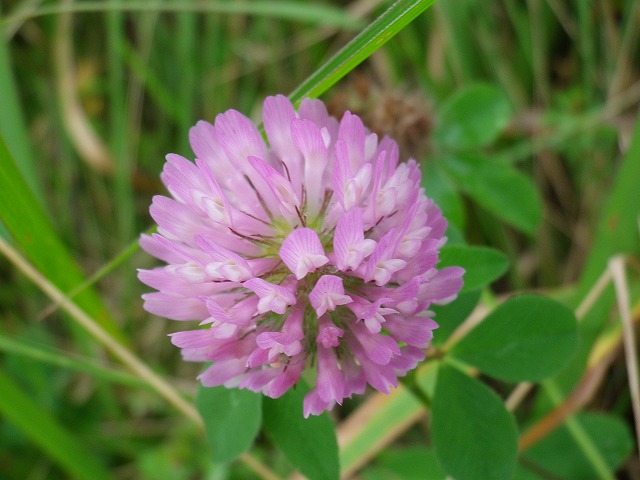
{"x": 529, "y": 337}
{"x": 482, "y": 265}
{"x": 309, "y": 444}
{"x": 473, "y": 433}
{"x": 232, "y": 419}
{"x": 383, "y": 29}
{"x": 44, "y": 430}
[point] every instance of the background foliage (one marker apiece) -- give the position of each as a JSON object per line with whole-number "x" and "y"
{"x": 524, "y": 118}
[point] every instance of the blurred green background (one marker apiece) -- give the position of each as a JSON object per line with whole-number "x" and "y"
{"x": 94, "y": 94}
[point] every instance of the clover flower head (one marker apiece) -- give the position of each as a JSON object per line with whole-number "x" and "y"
{"x": 317, "y": 251}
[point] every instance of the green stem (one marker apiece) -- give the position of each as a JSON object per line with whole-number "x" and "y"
{"x": 580, "y": 435}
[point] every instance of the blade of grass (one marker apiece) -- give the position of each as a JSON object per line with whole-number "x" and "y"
{"x": 580, "y": 435}
{"x": 33, "y": 232}
{"x": 617, "y": 231}
{"x": 629, "y": 41}
{"x": 301, "y": 12}
{"x": 587, "y": 36}
{"x": 185, "y": 51}
{"x": 459, "y": 38}
{"x": 99, "y": 274}
{"x": 12, "y": 123}
{"x": 87, "y": 142}
{"x": 154, "y": 87}
{"x": 118, "y": 127}
{"x": 617, "y": 267}
{"x": 42, "y": 353}
{"x": 43, "y": 429}
{"x": 383, "y": 29}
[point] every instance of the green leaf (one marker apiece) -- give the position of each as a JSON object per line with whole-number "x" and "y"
{"x": 232, "y": 419}
{"x": 408, "y": 463}
{"x": 44, "y": 430}
{"x": 529, "y": 337}
{"x": 559, "y": 454}
{"x": 474, "y": 435}
{"x": 309, "y": 444}
{"x": 374, "y": 36}
{"x": 498, "y": 187}
{"x": 482, "y": 265}
{"x": 472, "y": 118}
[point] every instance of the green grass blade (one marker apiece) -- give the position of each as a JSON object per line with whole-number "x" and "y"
{"x": 186, "y": 47}
{"x": 618, "y": 229}
{"x": 44, "y": 354}
{"x": 383, "y": 29}
{"x": 118, "y": 127}
{"x": 32, "y": 231}
{"x": 12, "y": 124}
{"x": 44, "y": 430}
{"x": 317, "y": 13}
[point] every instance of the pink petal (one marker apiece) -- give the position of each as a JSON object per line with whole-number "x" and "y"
{"x": 330, "y": 382}
{"x": 328, "y": 333}
{"x": 327, "y": 294}
{"x": 407, "y": 360}
{"x": 380, "y": 377}
{"x": 279, "y": 185}
{"x": 226, "y": 264}
{"x": 302, "y": 252}
{"x": 223, "y": 373}
{"x": 414, "y": 330}
{"x": 175, "y": 307}
{"x": 349, "y": 245}
{"x": 371, "y": 313}
{"x": 307, "y": 136}
{"x": 241, "y": 313}
{"x": 240, "y": 140}
{"x": 378, "y": 348}
{"x": 275, "y": 298}
{"x": 314, "y": 405}
{"x": 381, "y": 264}
{"x": 287, "y": 341}
{"x": 159, "y": 250}
{"x": 444, "y": 286}
{"x": 353, "y": 133}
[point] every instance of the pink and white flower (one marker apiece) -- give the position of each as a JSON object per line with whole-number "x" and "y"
{"x": 317, "y": 251}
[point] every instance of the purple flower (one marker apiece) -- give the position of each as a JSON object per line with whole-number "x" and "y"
{"x": 318, "y": 251}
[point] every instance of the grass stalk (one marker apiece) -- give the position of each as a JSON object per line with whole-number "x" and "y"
{"x": 616, "y": 266}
